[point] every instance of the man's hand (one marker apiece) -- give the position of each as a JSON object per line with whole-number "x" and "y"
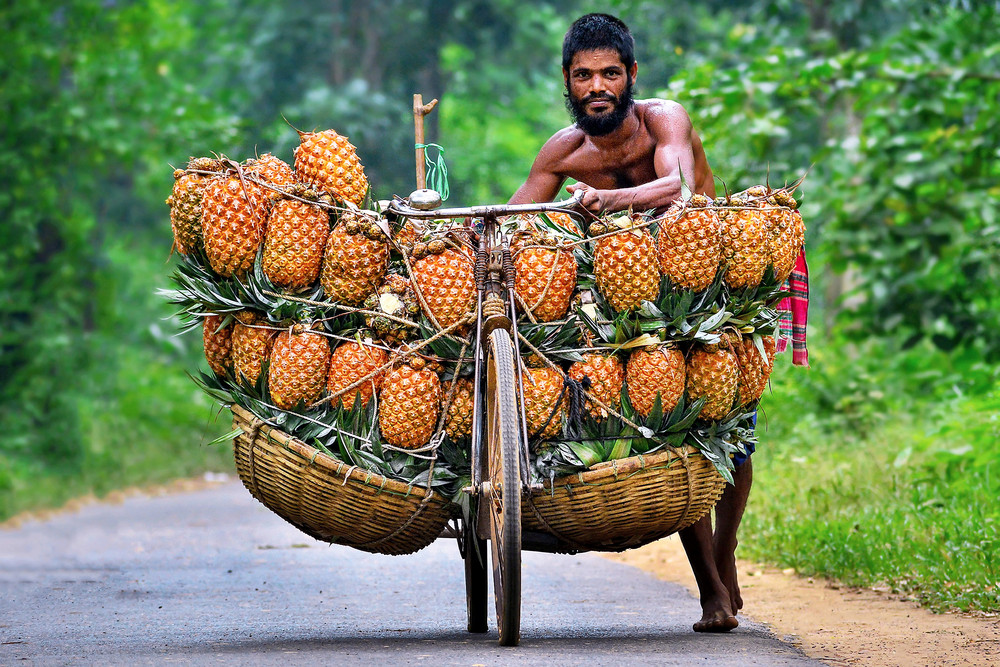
{"x": 593, "y": 200}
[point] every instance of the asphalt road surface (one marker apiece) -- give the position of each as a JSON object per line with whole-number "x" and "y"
{"x": 213, "y": 577}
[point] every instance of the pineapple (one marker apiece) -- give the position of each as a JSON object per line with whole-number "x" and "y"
{"x": 273, "y": 170}
{"x": 185, "y": 203}
{"x": 299, "y": 362}
{"x": 564, "y": 221}
{"x": 410, "y": 406}
{"x": 543, "y": 404}
{"x": 744, "y": 243}
{"x": 606, "y": 375}
{"x": 626, "y": 268}
{"x": 218, "y": 344}
{"x": 712, "y": 372}
{"x": 294, "y": 242}
{"x": 329, "y": 162}
{"x": 689, "y": 244}
{"x": 458, "y": 423}
{"x": 232, "y": 221}
{"x": 395, "y": 297}
{"x": 349, "y": 363}
{"x": 251, "y": 345}
{"x": 655, "y": 369}
{"x": 544, "y": 277}
{"x": 754, "y": 370}
{"x": 787, "y": 234}
{"x": 353, "y": 263}
{"x": 409, "y": 233}
{"x": 447, "y": 282}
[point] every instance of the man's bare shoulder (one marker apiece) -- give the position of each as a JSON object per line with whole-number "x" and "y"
{"x": 560, "y": 147}
{"x": 661, "y": 116}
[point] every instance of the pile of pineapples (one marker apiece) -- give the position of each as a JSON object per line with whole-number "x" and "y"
{"x": 353, "y": 333}
{"x": 677, "y": 319}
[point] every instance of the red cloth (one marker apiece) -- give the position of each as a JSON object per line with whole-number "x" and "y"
{"x": 793, "y": 312}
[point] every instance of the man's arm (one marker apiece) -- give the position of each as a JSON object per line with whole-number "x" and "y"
{"x": 670, "y": 127}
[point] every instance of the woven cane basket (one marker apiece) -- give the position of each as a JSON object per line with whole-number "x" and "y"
{"x": 330, "y": 500}
{"x": 625, "y": 503}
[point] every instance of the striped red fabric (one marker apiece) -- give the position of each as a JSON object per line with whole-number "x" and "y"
{"x": 794, "y": 312}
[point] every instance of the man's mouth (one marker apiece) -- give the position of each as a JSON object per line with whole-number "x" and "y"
{"x": 600, "y": 104}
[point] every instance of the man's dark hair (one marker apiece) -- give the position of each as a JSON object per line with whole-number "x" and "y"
{"x": 598, "y": 31}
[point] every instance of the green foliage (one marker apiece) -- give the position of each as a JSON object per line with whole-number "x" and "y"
{"x": 875, "y": 473}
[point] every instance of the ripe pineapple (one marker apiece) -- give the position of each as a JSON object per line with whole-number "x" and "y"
{"x": 294, "y": 242}
{"x": 744, "y": 243}
{"x": 787, "y": 234}
{"x": 626, "y": 268}
{"x": 349, "y": 363}
{"x": 447, "y": 282}
{"x": 712, "y": 372}
{"x": 689, "y": 244}
{"x": 655, "y": 369}
{"x": 545, "y": 277}
{"x": 606, "y": 377}
{"x": 232, "y": 221}
{"x": 251, "y": 345}
{"x": 410, "y": 405}
{"x": 754, "y": 370}
{"x": 409, "y": 233}
{"x": 353, "y": 263}
{"x": 458, "y": 423}
{"x": 273, "y": 170}
{"x": 395, "y": 297}
{"x": 300, "y": 359}
{"x": 218, "y": 344}
{"x": 328, "y": 161}
{"x": 542, "y": 389}
{"x": 185, "y": 203}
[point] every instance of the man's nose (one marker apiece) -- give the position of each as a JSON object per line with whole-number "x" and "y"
{"x": 598, "y": 84}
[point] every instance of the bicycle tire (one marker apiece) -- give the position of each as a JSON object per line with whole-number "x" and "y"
{"x": 503, "y": 447}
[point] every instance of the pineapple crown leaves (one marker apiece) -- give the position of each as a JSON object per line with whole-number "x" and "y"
{"x": 719, "y": 440}
{"x": 555, "y": 340}
{"x": 754, "y": 306}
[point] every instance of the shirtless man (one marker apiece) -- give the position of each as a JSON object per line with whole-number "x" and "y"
{"x": 624, "y": 152}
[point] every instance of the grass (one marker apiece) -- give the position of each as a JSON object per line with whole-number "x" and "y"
{"x": 875, "y": 477}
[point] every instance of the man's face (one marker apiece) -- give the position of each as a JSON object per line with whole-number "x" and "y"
{"x": 599, "y": 90}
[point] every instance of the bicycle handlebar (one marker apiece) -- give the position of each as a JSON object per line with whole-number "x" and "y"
{"x": 399, "y": 208}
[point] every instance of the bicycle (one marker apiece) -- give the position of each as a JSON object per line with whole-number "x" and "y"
{"x": 499, "y": 464}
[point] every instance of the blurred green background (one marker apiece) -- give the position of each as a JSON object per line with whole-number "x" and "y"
{"x": 875, "y": 465}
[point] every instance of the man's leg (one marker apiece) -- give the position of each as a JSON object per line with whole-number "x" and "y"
{"x": 716, "y": 604}
{"x": 728, "y": 514}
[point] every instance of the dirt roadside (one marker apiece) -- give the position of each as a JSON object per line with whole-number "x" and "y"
{"x": 840, "y": 626}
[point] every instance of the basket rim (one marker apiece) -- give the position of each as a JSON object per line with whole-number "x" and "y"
{"x": 324, "y": 460}
{"x": 617, "y": 468}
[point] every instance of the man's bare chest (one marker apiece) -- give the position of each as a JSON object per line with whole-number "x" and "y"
{"x": 623, "y": 167}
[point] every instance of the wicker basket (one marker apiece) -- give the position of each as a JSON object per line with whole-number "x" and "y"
{"x": 330, "y": 500}
{"x": 626, "y": 503}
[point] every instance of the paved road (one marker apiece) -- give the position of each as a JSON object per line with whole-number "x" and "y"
{"x": 212, "y": 577}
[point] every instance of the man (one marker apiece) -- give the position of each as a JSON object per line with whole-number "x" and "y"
{"x": 623, "y": 153}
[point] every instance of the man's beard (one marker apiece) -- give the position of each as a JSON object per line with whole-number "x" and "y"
{"x": 605, "y": 123}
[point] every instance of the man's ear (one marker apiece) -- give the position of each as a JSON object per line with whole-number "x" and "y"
{"x": 565, "y": 76}
{"x": 634, "y": 70}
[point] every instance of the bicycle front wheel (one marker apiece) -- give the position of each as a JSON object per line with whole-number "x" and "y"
{"x": 504, "y": 457}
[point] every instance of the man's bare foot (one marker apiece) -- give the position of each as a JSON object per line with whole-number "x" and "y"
{"x": 719, "y": 620}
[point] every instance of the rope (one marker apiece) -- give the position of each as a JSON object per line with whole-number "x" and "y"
{"x": 593, "y": 399}
{"x": 437, "y": 171}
